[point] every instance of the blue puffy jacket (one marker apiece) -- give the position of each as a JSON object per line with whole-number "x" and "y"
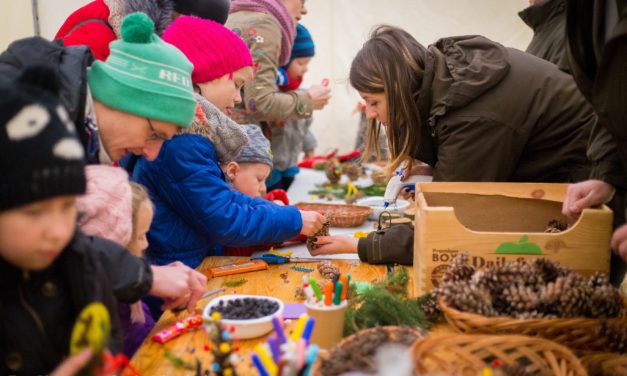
{"x": 196, "y": 210}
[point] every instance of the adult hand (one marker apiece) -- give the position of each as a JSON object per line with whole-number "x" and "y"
{"x": 178, "y": 285}
{"x": 619, "y": 242}
{"x": 586, "y": 194}
{"x": 312, "y": 222}
{"x": 418, "y": 168}
{"x": 72, "y": 365}
{"x": 320, "y": 96}
{"x": 335, "y": 244}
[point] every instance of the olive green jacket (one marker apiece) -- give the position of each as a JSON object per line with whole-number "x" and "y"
{"x": 492, "y": 113}
{"x": 261, "y": 99}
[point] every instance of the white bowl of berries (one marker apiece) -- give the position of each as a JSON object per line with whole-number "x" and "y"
{"x": 246, "y": 316}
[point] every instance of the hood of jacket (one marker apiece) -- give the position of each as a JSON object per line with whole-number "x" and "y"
{"x": 465, "y": 67}
{"x": 228, "y": 137}
{"x": 538, "y": 15}
{"x": 160, "y": 11}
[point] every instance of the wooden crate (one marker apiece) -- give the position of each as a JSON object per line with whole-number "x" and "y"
{"x": 499, "y": 222}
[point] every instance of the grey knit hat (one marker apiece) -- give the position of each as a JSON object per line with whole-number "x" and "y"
{"x": 257, "y": 150}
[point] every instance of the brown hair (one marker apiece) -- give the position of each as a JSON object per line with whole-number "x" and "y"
{"x": 392, "y": 62}
{"x": 140, "y": 195}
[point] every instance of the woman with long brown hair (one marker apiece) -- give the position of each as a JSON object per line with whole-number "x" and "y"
{"x": 471, "y": 109}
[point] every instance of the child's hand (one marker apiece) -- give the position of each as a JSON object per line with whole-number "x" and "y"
{"x": 335, "y": 244}
{"x": 178, "y": 285}
{"x": 312, "y": 222}
{"x": 72, "y": 365}
{"x": 320, "y": 96}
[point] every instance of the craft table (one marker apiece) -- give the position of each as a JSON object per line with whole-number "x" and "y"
{"x": 278, "y": 281}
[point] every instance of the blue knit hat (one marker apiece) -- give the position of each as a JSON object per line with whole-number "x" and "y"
{"x": 303, "y": 44}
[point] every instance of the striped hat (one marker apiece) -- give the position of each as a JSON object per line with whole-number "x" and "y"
{"x": 303, "y": 44}
{"x": 145, "y": 76}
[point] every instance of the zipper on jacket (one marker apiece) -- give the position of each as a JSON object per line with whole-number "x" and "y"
{"x": 28, "y": 307}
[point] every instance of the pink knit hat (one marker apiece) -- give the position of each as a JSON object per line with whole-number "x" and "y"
{"x": 106, "y": 210}
{"x": 212, "y": 48}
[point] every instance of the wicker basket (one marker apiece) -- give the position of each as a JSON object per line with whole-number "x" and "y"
{"x": 340, "y": 215}
{"x": 608, "y": 364}
{"x": 464, "y": 354}
{"x": 395, "y": 333}
{"x": 578, "y": 333}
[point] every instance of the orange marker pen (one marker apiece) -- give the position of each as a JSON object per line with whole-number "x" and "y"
{"x": 344, "y": 281}
{"x": 328, "y": 294}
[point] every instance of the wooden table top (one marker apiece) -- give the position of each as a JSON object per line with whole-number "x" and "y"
{"x": 279, "y": 281}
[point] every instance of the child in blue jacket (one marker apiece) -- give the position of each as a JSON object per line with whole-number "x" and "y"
{"x": 196, "y": 211}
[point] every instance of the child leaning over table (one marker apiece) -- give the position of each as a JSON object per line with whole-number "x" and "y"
{"x": 49, "y": 271}
{"x": 248, "y": 173}
{"x": 120, "y": 211}
{"x": 292, "y": 137}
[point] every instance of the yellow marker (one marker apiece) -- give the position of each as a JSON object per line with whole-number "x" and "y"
{"x": 92, "y": 329}
{"x": 361, "y": 234}
{"x": 266, "y": 360}
{"x": 300, "y": 326}
{"x": 486, "y": 372}
{"x": 287, "y": 254}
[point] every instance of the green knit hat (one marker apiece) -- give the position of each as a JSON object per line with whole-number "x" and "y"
{"x": 145, "y": 76}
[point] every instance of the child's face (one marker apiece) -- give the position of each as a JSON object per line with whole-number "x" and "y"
{"x": 224, "y": 92}
{"x": 33, "y": 236}
{"x": 139, "y": 242}
{"x": 298, "y": 67}
{"x": 251, "y": 179}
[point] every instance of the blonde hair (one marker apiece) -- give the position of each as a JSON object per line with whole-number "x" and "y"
{"x": 392, "y": 62}
{"x": 140, "y": 196}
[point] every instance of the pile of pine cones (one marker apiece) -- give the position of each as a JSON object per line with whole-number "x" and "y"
{"x": 539, "y": 289}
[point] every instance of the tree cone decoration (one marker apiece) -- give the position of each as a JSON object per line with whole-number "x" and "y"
{"x": 328, "y": 270}
{"x": 540, "y": 289}
{"x": 333, "y": 173}
{"x": 352, "y": 170}
{"x": 324, "y": 231}
{"x": 556, "y": 226}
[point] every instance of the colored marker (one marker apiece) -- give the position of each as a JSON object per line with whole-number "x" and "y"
{"x": 275, "y": 348}
{"x": 316, "y": 289}
{"x": 328, "y": 294}
{"x": 311, "y": 322}
{"x": 300, "y": 326}
{"x": 309, "y": 293}
{"x": 259, "y": 365}
{"x": 348, "y": 284}
{"x": 278, "y": 329}
{"x": 344, "y": 280}
{"x": 312, "y": 354}
{"x": 301, "y": 347}
{"x": 337, "y": 298}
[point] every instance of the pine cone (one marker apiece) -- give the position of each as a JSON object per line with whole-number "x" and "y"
{"x": 333, "y": 174}
{"x": 567, "y": 297}
{"x": 521, "y": 300}
{"x": 556, "y": 226}
{"x": 460, "y": 270}
{"x": 549, "y": 270}
{"x": 468, "y": 298}
{"x": 598, "y": 280}
{"x": 328, "y": 270}
{"x": 497, "y": 278}
{"x": 324, "y": 231}
{"x": 605, "y": 302}
{"x": 429, "y": 305}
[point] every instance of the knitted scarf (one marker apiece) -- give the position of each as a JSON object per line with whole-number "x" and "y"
{"x": 276, "y": 9}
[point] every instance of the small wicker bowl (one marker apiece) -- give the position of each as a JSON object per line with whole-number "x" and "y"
{"x": 465, "y": 354}
{"x": 396, "y": 334}
{"x": 578, "y": 333}
{"x": 340, "y": 215}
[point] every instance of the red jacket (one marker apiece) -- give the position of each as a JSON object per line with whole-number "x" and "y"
{"x": 94, "y": 34}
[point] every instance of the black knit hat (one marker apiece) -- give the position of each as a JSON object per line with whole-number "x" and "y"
{"x": 215, "y": 10}
{"x": 40, "y": 156}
